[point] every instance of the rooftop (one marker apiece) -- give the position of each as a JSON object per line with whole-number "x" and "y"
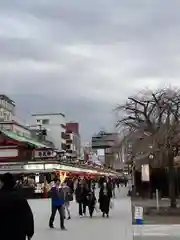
{"x": 47, "y": 114}
{"x": 2, "y": 96}
{"x": 18, "y": 138}
{"x": 16, "y": 123}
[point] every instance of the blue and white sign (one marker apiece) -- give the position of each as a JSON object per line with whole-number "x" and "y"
{"x": 138, "y": 215}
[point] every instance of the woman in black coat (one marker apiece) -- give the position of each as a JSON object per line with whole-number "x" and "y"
{"x": 105, "y": 196}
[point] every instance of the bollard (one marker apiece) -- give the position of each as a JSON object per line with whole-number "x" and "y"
{"x": 157, "y": 199}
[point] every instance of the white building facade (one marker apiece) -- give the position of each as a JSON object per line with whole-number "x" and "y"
{"x": 55, "y": 125}
{"x": 15, "y": 127}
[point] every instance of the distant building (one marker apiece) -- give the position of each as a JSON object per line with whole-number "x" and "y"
{"x": 108, "y": 142}
{"x": 73, "y": 127}
{"x": 7, "y": 108}
{"x": 73, "y": 141}
{"x": 55, "y": 126}
{"x": 16, "y": 127}
{"x": 8, "y": 120}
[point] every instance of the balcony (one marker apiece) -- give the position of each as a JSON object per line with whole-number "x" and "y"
{"x": 101, "y": 144}
{"x": 63, "y": 146}
{"x": 63, "y": 135}
{"x": 69, "y": 141}
{"x": 69, "y": 151}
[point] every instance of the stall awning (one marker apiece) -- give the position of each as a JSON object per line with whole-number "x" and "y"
{"x": 18, "y": 138}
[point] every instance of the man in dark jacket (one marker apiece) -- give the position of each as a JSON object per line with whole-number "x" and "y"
{"x": 58, "y": 200}
{"x": 81, "y": 194}
{"x": 16, "y": 218}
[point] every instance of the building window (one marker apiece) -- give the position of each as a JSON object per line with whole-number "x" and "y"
{"x": 38, "y": 121}
{"x": 69, "y": 141}
{"x": 45, "y": 121}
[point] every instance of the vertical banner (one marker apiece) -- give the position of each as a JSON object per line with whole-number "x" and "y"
{"x": 145, "y": 174}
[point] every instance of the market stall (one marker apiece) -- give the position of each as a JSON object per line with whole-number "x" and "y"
{"x": 37, "y": 177}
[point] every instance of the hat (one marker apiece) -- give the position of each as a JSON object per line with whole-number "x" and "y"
{"x": 8, "y": 180}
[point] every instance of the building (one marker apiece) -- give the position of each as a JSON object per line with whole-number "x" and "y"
{"x": 55, "y": 126}
{"x": 73, "y": 141}
{"x": 73, "y": 127}
{"x": 16, "y": 141}
{"x": 7, "y": 108}
{"x": 109, "y": 143}
{"x": 16, "y": 127}
{"x": 8, "y": 120}
{"x": 16, "y": 148}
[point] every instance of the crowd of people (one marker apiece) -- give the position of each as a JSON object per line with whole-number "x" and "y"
{"x": 85, "y": 195}
{"x": 16, "y": 217}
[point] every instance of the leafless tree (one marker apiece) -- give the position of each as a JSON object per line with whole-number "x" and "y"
{"x": 156, "y": 115}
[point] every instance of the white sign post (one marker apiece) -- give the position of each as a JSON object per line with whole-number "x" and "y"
{"x": 138, "y": 215}
{"x": 145, "y": 175}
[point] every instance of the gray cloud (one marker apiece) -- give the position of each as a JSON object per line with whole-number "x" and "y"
{"x": 84, "y": 57}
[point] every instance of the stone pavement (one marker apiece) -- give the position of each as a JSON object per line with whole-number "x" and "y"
{"x": 118, "y": 226}
{"x": 155, "y": 231}
{"x": 155, "y": 238}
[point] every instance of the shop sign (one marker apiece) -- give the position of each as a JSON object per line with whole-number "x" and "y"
{"x": 44, "y": 154}
{"x": 8, "y": 153}
{"x": 8, "y": 167}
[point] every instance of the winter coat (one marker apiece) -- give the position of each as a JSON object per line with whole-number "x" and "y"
{"x": 104, "y": 199}
{"x": 68, "y": 194}
{"x": 81, "y": 194}
{"x": 91, "y": 198}
{"x": 16, "y": 218}
{"x": 57, "y": 196}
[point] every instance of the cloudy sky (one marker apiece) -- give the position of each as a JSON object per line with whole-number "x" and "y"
{"x": 83, "y": 57}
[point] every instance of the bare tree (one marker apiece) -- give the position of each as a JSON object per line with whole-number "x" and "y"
{"x": 156, "y": 115}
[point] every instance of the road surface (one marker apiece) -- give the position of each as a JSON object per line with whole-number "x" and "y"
{"x": 156, "y": 238}
{"x": 118, "y": 226}
{"x": 156, "y": 232}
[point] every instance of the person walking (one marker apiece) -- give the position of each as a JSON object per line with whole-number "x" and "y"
{"x": 16, "y": 218}
{"x": 91, "y": 201}
{"x": 105, "y": 195}
{"x": 81, "y": 194}
{"x": 113, "y": 183}
{"x": 57, "y": 203}
{"x": 68, "y": 199}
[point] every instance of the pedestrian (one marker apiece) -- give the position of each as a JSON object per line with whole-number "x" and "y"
{"x": 91, "y": 202}
{"x": 57, "y": 203}
{"x": 105, "y": 195}
{"x": 81, "y": 194}
{"x": 68, "y": 199}
{"x": 16, "y": 218}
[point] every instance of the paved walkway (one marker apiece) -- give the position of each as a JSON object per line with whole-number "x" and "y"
{"x": 118, "y": 226}
{"x": 157, "y": 230}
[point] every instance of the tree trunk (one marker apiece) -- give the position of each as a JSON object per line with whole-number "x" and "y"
{"x": 172, "y": 193}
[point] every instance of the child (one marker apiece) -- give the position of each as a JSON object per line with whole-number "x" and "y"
{"x": 91, "y": 202}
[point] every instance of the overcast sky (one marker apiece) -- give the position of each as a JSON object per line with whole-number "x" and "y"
{"x": 83, "y": 57}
